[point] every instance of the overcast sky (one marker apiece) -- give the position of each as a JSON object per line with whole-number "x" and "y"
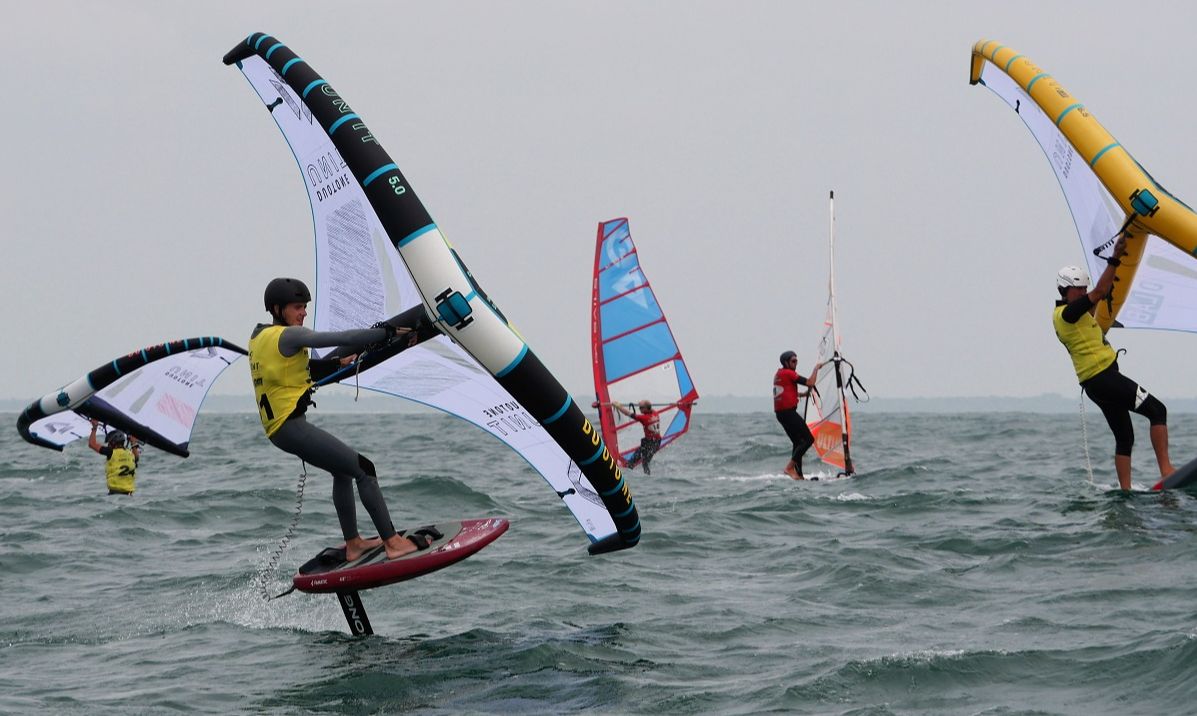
{"x": 147, "y": 196}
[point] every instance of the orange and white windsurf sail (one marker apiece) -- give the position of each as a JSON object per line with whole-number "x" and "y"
{"x": 827, "y": 413}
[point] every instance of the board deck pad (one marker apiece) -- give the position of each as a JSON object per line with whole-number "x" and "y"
{"x": 329, "y": 572}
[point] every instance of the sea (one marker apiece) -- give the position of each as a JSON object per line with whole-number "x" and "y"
{"x": 974, "y": 565}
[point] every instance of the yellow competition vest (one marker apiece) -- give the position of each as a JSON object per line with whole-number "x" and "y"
{"x": 1086, "y": 344}
{"x": 279, "y": 381}
{"x": 121, "y": 471}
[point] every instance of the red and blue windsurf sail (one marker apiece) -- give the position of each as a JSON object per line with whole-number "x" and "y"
{"x": 635, "y": 355}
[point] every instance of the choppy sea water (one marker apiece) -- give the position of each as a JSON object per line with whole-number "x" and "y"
{"x": 971, "y": 568}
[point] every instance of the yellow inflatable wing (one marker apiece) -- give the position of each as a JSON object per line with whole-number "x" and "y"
{"x": 1108, "y": 193}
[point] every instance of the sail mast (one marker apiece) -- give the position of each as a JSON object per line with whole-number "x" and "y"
{"x": 835, "y": 318}
{"x": 836, "y": 361}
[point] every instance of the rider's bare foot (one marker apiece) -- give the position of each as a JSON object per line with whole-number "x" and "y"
{"x": 398, "y": 546}
{"x": 357, "y": 546}
{"x": 792, "y": 471}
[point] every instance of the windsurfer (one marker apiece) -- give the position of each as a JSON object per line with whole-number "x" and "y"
{"x": 1096, "y": 365}
{"x": 650, "y": 420}
{"x": 279, "y": 364}
{"x": 121, "y": 465}
{"x": 785, "y": 407}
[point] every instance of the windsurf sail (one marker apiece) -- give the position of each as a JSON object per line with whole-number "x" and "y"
{"x": 379, "y": 255}
{"x": 154, "y": 394}
{"x": 1108, "y": 193}
{"x": 634, "y": 353}
{"x": 827, "y": 413}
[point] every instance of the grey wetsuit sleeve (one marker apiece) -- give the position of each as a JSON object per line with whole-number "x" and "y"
{"x": 294, "y": 338}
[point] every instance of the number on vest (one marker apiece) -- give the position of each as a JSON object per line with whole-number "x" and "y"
{"x": 264, "y": 404}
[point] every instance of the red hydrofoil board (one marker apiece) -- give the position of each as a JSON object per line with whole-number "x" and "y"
{"x": 329, "y": 572}
{"x": 1186, "y": 476}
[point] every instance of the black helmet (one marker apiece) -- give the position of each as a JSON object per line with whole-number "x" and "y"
{"x": 785, "y": 357}
{"x": 114, "y": 437}
{"x": 282, "y": 291}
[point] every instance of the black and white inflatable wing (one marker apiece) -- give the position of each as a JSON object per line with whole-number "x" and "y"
{"x": 153, "y": 394}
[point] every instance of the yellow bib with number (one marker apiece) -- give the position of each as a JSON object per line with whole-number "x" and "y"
{"x": 279, "y": 382}
{"x": 121, "y": 470}
{"x": 1086, "y": 344}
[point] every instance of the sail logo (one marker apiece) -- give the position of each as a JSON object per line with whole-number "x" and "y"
{"x": 513, "y": 423}
{"x": 189, "y": 378}
{"x": 343, "y": 107}
{"x": 624, "y": 280}
{"x": 1062, "y": 155}
{"x": 1144, "y": 302}
{"x": 607, "y": 459}
{"x": 284, "y": 95}
{"x": 573, "y": 473}
{"x": 327, "y": 175}
{"x": 509, "y": 406}
{"x": 827, "y": 440}
{"x": 336, "y": 185}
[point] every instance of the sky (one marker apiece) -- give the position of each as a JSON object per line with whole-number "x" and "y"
{"x": 147, "y": 197}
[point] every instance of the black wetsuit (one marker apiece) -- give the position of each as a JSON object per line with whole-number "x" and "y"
{"x": 785, "y": 407}
{"x": 644, "y": 453}
{"x": 798, "y": 432}
{"x": 1116, "y": 394}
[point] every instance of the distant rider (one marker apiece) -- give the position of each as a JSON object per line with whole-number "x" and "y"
{"x": 785, "y": 407}
{"x": 650, "y": 420}
{"x": 120, "y": 468}
{"x": 1096, "y": 365}
{"x": 279, "y": 365}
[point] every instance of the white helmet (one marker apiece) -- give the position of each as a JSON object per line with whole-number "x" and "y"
{"x": 1071, "y": 276}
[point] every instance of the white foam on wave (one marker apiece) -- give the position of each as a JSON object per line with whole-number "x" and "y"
{"x": 754, "y": 478}
{"x": 851, "y": 497}
{"x": 823, "y": 479}
{"x": 1136, "y": 487}
{"x": 243, "y": 604}
{"x": 926, "y": 656}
